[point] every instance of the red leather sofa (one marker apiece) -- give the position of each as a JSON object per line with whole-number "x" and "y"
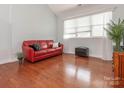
{"x": 45, "y": 52}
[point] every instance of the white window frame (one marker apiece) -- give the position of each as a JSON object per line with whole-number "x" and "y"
{"x": 91, "y": 26}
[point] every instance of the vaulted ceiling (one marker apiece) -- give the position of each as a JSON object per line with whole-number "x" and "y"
{"x": 61, "y": 8}
{"x": 77, "y": 9}
{"x": 57, "y": 8}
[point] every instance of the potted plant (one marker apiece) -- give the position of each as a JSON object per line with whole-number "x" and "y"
{"x": 115, "y": 32}
{"x": 20, "y": 57}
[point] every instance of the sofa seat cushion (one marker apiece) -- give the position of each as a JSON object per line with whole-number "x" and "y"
{"x": 58, "y": 48}
{"x": 50, "y": 50}
{"x": 41, "y": 52}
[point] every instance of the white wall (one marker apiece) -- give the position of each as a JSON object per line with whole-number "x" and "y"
{"x": 5, "y": 42}
{"x": 24, "y": 22}
{"x": 99, "y": 47}
{"x": 118, "y": 13}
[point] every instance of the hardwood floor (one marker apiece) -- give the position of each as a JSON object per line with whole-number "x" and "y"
{"x": 61, "y": 71}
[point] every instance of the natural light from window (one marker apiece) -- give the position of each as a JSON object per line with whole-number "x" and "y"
{"x": 88, "y": 26}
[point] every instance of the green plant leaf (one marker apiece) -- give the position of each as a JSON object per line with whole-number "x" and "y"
{"x": 115, "y": 31}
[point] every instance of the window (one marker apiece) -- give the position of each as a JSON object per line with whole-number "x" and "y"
{"x": 88, "y": 26}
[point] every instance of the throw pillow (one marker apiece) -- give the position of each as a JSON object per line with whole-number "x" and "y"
{"x": 55, "y": 45}
{"x": 59, "y": 44}
{"x": 36, "y": 47}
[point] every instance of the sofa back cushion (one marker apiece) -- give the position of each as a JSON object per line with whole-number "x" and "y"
{"x": 50, "y": 43}
{"x": 44, "y": 43}
{"x": 29, "y": 42}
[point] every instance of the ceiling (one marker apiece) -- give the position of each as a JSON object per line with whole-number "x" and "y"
{"x": 57, "y": 8}
{"x": 63, "y": 10}
{"x": 60, "y": 9}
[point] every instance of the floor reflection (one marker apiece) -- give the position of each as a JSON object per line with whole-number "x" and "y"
{"x": 83, "y": 75}
{"x": 80, "y": 74}
{"x": 87, "y": 72}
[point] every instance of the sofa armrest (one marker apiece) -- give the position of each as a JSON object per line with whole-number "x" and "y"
{"x": 28, "y": 52}
{"x": 61, "y": 45}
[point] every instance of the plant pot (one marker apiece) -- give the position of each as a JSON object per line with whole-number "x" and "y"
{"x": 118, "y": 62}
{"x": 116, "y": 65}
{"x": 20, "y": 60}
